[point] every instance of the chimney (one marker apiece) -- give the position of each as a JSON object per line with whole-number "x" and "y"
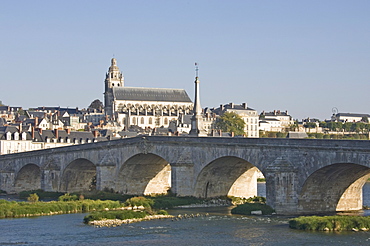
{"x": 20, "y": 127}
{"x": 40, "y": 130}
{"x": 36, "y": 121}
{"x": 221, "y": 107}
{"x": 220, "y": 132}
{"x": 96, "y": 134}
{"x": 274, "y": 112}
{"x": 232, "y": 134}
{"x": 231, "y": 105}
{"x": 56, "y": 133}
{"x": 68, "y": 131}
{"x": 244, "y": 105}
{"x": 33, "y": 132}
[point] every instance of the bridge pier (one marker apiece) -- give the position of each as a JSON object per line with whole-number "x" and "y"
{"x": 50, "y": 180}
{"x": 7, "y": 180}
{"x": 182, "y": 176}
{"x": 281, "y": 187}
{"x": 104, "y": 177}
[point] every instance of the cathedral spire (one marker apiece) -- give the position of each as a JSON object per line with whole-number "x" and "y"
{"x": 196, "y": 120}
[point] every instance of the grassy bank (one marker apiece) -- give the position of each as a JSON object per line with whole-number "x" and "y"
{"x": 330, "y": 223}
{"x": 25, "y": 209}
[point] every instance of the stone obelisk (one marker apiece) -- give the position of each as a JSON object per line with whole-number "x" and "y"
{"x": 196, "y": 121}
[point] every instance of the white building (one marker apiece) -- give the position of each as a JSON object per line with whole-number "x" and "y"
{"x": 249, "y": 115}
{"x": 270, "y": 125}
{"x": 349, "y": 117}
{"x": 285, "y": 119}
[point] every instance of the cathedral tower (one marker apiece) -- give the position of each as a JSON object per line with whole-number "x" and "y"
{"x": 113, "y": 78}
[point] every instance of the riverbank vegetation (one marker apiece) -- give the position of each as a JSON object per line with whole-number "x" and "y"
{"x": 13, "y": 209}
{"x": 252, "y": 205}
{"x": 331, "y": 223}
{"x": 81, "y": 203}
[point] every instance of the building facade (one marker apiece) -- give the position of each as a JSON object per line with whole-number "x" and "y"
{"x": 143, "y": 107}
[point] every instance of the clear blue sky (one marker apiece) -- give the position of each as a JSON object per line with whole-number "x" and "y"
{"x": 302, "y": 56}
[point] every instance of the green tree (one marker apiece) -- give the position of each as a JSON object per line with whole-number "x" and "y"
{"x": 33, "y": 198}
{"x": 231, "y": 122}
{"x": 310, "y": 125}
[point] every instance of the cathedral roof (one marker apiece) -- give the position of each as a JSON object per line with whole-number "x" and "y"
{"x": 151, "y": 94}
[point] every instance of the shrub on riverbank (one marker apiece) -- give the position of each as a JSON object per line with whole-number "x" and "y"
{"x": 240, "y": 200}
{"x": 247, "y": 208}
{"x": 41, "y": 193}
{"x": 165, "y": 202}
{"x": 330, "y": 223}
{"x": 110, "y": 215}
{"x": 24, "y": 209}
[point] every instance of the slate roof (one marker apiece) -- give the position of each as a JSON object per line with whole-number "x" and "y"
{"x": 352, "y": 115}
{"x": 151, "y": 94}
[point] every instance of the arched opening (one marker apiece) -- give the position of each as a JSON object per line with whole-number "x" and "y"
{"x": 79, "y": 175}
{"x": 145, "y": 174}
{"x": 336, "y": 187}
{"x": 231, "y": 176}
{"x": 28, "y": 178}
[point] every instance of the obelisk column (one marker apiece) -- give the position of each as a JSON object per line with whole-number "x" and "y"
{"x": 196, "y": 120}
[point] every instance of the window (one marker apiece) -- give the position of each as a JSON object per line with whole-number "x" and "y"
{"x": 165, "y": 121}
{"x": 142, "y": 121}
{"x": 150, "y": 121}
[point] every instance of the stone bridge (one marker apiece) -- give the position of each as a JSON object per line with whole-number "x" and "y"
{"x": 302, "y": 175}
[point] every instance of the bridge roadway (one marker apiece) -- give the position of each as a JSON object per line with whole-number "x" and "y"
{"x": 302, "y": 175}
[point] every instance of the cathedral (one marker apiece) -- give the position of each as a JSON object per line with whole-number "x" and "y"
{"x": 142, "y": 107}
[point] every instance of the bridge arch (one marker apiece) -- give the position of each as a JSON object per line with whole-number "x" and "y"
{"x": 28, "y": 178}
{"x": 336, "y": 187}
{"x": 227, "y": 175}
{"x": 144, "y": 174}
{"x": 79, "y": 175}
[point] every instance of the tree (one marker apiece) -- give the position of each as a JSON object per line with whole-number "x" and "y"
{"x": 33, "y": 198}
{"x": 97, "y": 104}
{"x": 231, "y": 122}
{"x": 310, "y": 125}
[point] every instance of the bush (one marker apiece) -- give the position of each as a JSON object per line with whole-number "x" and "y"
{"x": 67, "y": 197}
{"x": 139, "y": 201}
{"x": 164, "y": 202}
{"x": 330, "y": 223}
{"x": 247, "y": 209}
{"x": 255, "y": 199}
{"x": 41, "y": 193}
{"x": 33, "y": 198}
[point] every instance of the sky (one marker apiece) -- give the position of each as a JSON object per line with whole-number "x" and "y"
{"x": 306, "y": 57}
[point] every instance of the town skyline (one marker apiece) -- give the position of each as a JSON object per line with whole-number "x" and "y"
{"x": 307, "y": 58}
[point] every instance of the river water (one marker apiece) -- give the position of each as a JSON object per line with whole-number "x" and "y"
{"x": 218, "y": 228}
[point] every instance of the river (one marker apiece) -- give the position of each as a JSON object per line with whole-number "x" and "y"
{"x": 218, "y": 228}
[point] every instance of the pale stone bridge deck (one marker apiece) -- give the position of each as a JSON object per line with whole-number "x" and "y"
{"x": 302, "y": 175}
